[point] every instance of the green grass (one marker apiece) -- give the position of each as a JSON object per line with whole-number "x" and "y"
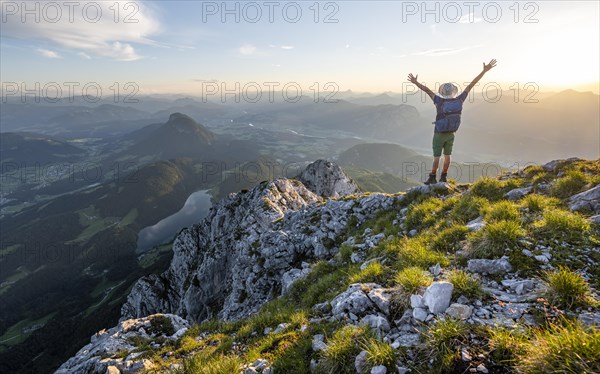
{"x": 563, "y": 225}
{"x": 567, "y": 288}
{"x": 382, "y": 223}
{"x": 465, "y": 284}
{"x": 492, "y": 240}
{"x": 569, "y": 185}
{"x": 449, "y": 239}
{"x": 380, "y": 353}
{"x": 412, "y": 278}
{"x": 563, "y": 348}
{"x": 206, "y": 363}
{"x": 443, "y": 338}
{"x": 323, "y": 283}
{"x": 424, "y": 214}
{"x": 374, "y": 272}
{"x": 502, "y": 211}
{"x": 295, "y": 359}
{"x": 493, "y": 189}
{"x": 342, "y": 349}
{"x": 506, "y": 345}
{"x": 468, "y": 208}
{"x": 539, "y": 203}
{"x": 272, "y": 314}
{"x": 412, "y": 252}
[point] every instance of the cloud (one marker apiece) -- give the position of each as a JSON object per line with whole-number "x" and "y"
{"x": 100, "y": 36}
{"x": 48, "y": 53}
{"x": 442, "y": 51}
{"x": 286, "y": 47}
{"x": 84, "y": 55}
{"x": 247, "y": 50}
{"x": 347, "y": 46}
{"x": 470, "y": 18}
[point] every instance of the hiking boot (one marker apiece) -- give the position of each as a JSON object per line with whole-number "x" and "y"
{"x": 443, "y": 177}
{"x": 431, "y": 179}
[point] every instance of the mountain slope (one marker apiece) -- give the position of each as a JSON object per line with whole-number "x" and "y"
{"x": 30, "y": 149}
{"x": 179, "y": 136}
{"x": 443, "y": 278}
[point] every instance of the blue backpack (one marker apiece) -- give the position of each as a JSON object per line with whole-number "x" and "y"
{"x": 451, "y": 109}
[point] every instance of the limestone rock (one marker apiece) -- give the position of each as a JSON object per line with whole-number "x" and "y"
{"x": 483, "y": 266}
{"x": 327, "y": 179}
{"x": 360, "y": 362}
{"x": 99, "y": 355}
{"x": 459, "y": 311}
{"x": 586, "y": 201}
{"x": 437, "y": 296}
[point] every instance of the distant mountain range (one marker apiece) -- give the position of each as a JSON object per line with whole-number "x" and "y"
{"x": 32, "y": 148}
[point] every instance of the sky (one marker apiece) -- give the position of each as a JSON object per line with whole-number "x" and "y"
{"x": 187, "y": 46}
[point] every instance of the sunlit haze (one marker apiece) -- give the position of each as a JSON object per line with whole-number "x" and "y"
{"x": 170, "y": 47}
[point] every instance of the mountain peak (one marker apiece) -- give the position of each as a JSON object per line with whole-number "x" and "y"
{"x": 179, "y": 116}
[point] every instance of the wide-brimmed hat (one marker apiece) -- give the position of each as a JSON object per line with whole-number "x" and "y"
{"x": 448, "y": 90}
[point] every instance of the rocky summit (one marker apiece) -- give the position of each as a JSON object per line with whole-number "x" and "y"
{"x": 311, "y": 275}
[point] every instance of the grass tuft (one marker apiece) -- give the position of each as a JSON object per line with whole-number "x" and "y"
{"x": 502, "y": 211}
{"x": 492, "y": 240}
{"x": 205, "y": 363}
{"x": 413, "y": 252}
{"x": 424, "y": 214}
{"x": 371, "y": 273}
{"x": 563, "y": 225}
{"x": 412, "y": 278}
{"x": 565, "y": 348}
{"x": 567, "y": 288}
{"x": 449, "y": 239}
{"x": 443, "y": 338}
{"x": 342, "y": 350}
{"x": 465, "y": 284}
{"x": 569, "y": 185}
{"x": 379, "y": 353}
{"x": 539, "y": 203}
{"x": 468, "y": 208}
{"x": 493, "y": 189}
{"x": 506, "y": 344}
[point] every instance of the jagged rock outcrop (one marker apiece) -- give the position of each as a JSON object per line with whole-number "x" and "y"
{"x": 234, "y": 261}
{"x": 96, "y": 356}
{"x": 327, "y": 179}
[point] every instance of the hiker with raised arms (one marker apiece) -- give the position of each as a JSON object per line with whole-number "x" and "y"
{"x": 447, "y": 121}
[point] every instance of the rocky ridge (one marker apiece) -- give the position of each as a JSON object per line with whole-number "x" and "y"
{"x": 254, "y": 246}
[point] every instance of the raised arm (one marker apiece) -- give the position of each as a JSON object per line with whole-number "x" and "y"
{"x": 486, "y": 68}
{"x": 413, "y": 79}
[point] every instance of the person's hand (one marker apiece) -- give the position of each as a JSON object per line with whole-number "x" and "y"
{"x": 489, "y": 66}
{"x": 412, "y": 78}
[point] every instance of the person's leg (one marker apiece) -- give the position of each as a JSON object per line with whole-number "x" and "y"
{"x": 436, "y": 164}
{"x": 446, "y": 164}
{"x": 448, "y": 143}
{"x": 438, "y": 144}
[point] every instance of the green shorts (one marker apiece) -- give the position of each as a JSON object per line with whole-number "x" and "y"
{"x": 442, "y": 141}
